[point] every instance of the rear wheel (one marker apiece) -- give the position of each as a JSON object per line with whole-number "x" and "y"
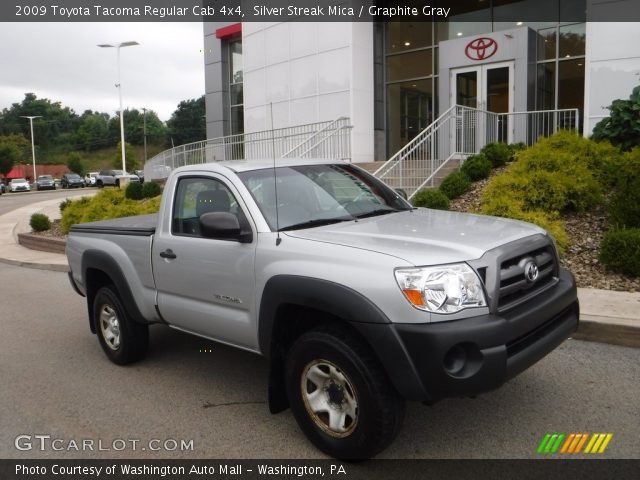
{"x": 122, "y": 339}
{"x": 99, "y": 184}
{"x": 341, "y": 396}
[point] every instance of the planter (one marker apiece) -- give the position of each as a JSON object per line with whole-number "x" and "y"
{"x": 42, "y": 243}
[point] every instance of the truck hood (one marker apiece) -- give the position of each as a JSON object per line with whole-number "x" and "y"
{"x": 423, "y": 236}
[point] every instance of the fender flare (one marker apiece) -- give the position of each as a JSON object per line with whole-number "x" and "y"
{"x": 98, "y": 260}
{"x": 347, "y": 304}
{"x": 322, "y": 295}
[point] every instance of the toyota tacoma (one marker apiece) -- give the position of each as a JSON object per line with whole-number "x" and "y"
{"x": 356, "y": 299}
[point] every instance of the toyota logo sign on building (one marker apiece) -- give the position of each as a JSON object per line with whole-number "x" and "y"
{"x": 481, "y": 48}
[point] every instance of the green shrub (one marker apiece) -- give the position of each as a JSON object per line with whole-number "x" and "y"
{"x": 560, "y": 173}
{"x": 515, "y": 148}
{"x": 40, "y": 222}
{"x": 620, "y": 250}
{"x": 107, "y": 204}
{"x": 622, "y": 126}
{"x": 497, "y": 153}
{"x": 134, "y": 191}
{"x": 151, "y": 189}
{"x": 624, "y": 207}
{"x": 476, "y": 167}
{"x": 455, "y": 184}
{"x": 431, "y": 198}
{"x": 64, "y": 204}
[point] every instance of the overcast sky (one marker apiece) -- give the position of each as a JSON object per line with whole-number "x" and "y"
{"x": 61, "y": 61}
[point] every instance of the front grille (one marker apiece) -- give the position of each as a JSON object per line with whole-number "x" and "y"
{"x": 514, "y": 287}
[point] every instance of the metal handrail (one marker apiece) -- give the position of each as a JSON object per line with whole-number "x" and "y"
{"x": 261, "y": 144}
{"x": 339, "y": 119}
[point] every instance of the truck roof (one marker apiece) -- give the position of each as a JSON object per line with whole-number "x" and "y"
{"x": 258, "y": 164}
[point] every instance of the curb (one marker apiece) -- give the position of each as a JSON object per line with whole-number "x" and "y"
{"x": 53, "y": 267}
{"x": 613, "y": 334}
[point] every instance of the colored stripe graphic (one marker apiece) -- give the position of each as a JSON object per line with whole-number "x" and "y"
{"x": 573, "y": 443}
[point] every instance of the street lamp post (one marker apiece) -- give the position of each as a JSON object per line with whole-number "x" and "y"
{"x": 117, "y": 46}
{"x": 33, "y": 148}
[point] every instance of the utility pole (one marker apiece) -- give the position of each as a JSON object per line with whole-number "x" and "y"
{"x": 118, "y": 46}
{"x": 144, "y": 130}
{"x": 33, "y": 148}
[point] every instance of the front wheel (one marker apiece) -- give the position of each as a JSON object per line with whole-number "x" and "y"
{"x": 340, "y": 395}
{"x": 122, "y": 339}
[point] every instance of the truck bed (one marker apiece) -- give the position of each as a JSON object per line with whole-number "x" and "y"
{"x": 140, "y": 225}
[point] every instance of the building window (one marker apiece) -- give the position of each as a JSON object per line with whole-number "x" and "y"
{"x": 560, "y": 74}
{"x": 411, "y": 81}
{"x": 410, "y": 59}
{"x": 236, "y": 95}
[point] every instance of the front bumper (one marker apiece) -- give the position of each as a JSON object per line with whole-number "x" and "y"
{"x": 465, "y": 357}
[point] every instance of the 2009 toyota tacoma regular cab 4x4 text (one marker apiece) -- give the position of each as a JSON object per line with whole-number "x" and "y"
{"x": 357, "y": 300}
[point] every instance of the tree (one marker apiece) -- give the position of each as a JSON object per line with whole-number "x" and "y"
{"x": 187, "y": 124}
{"x": 130, "y": 157}
{"x": 622, "y": 127}
{"x": 13, "y": 149}
{"x": 56, "y": 127}
{"x": 8, "y": 155}
{"x": 93, "y": 132}
{"x": 74, "y": 163}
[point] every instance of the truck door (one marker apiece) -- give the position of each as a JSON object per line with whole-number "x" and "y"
{"x": 205, "y": 286}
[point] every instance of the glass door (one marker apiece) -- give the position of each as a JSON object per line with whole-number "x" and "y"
{"x": 488, "y": 88}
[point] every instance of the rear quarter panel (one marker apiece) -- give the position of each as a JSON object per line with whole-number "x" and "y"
{"x": 132, "y": 253}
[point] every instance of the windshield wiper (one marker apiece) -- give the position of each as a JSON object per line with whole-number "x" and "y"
{"x": 379, "y": 211}
{"x": 317, "y": 222}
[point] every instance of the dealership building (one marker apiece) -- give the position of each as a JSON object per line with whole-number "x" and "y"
{"x": 393, "y": 79}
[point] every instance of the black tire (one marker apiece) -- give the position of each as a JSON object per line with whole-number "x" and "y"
{"x": 379, "y": 413}
{"x": 118, "y": 183}
{"x": 133, "y": 338}
{"x": 99, "y": 184}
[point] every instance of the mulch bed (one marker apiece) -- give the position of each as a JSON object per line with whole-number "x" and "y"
{"x": 585, "y": 231}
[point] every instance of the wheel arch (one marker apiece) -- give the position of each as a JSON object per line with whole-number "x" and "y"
{"x": 99, "y": 270}
{"x": 292, "y": 305}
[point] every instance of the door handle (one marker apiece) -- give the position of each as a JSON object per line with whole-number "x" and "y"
{"x": 168, "y": 253}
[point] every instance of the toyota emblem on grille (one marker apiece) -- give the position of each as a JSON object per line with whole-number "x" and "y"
{"x": 531, "y": 271}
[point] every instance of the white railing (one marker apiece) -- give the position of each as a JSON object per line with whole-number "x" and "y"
{"x": 316, "y": 140}
{"x": 462, "y": 131}
{"x": 331, "y": 142}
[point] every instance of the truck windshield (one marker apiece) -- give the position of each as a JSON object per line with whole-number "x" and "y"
{"x": 313, "y": 195}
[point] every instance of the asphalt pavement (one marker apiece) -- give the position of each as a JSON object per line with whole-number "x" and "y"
{"x": 56, "y": 381}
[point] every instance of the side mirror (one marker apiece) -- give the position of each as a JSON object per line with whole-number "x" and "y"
{"x": 402, "y": 193}
{"x": 223, "y": 226}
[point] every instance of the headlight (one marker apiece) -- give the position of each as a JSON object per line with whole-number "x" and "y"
{"x": 441, "y": 289}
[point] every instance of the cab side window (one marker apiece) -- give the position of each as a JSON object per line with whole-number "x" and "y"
{"x": 196, "y": 196}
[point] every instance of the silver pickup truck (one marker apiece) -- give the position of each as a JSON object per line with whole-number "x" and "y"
{"x": 357, "y": 300}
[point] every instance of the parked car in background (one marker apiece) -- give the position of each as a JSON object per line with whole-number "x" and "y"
{"x": 90, "y": 179}
{"x": 45, "y": 182}
{"x": 19, "y": 185}
{"x": 3, "y": 188}
{"x": 112, "y": 178}
{"x": 72, "y": 180}
{"x": 140, "y": 175}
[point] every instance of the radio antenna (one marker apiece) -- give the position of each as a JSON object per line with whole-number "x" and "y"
{"x": 275, "y": 180}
